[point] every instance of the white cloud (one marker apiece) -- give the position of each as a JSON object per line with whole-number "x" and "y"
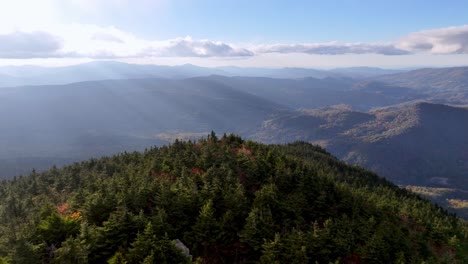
{"x": 106, "y": 37}
{"x": 90, "y": 41}
{"x": 95, "y": 42}
{"x": 187, "y": 47}
{"x": 334, "y": 48}
{"x": 35, "y": 44}
{"x": 450, "y": 40}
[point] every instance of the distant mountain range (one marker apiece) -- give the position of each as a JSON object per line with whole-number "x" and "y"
{"x": 105, "y": 70}
{"x": 433, "y": 78}
{"x": 79, "y": 120}
{"x": 445, "y": 85}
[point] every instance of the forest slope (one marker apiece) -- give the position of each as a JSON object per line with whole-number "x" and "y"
{"x": 229, "y": 201}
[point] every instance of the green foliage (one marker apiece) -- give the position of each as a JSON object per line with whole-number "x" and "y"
{"x": 228, "y": 201}
{"x": 71, "y": 251}
{"x": 54, "y": 229}
{"x": 118, "y": 258}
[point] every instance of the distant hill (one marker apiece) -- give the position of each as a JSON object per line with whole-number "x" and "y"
{"x": 94, "y": 71}
{"x": 221, "y": 200}
{"x": 441, "y": 78}
{"x": 90, "y": 119}
{"x": 315, "y": 93}
{"x": 445, "y": 85}
{"x": 363, "y": 72}
{"x": 281, "y": 73}
{"x": 298, "y": 73}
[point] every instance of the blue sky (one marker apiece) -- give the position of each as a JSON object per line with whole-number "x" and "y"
{"x": 299, "y": 20}
{"x": 245, "y": 33}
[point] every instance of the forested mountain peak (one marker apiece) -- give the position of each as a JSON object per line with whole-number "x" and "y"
{"x": 229, "y": 201}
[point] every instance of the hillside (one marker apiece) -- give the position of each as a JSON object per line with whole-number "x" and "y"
{"x": 228, "y": 201}
{"x": 454, "y": 199}
{"x": 418, "y": 144}
{"x": 421, "y": 144}
{"x": 77, "y": 121}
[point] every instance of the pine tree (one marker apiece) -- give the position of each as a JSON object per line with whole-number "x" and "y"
{"x": 205, "y": 229}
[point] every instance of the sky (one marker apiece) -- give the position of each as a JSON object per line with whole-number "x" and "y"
{"x": 260, "y": 33}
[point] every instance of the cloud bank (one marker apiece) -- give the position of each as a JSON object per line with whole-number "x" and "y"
{"x": 335, "y": 48}
{"x": 187, "y": 47}
{"x": 451, "y": 40}
{"x": 35, "y": 44}
{"x": 90, "y": 41}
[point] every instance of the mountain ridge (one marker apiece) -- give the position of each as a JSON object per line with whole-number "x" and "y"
{"x": 100, "y": 70}
{"x": 226, "y": 200}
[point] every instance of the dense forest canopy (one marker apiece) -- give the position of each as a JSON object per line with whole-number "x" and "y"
{"x": 228, "y": 201}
